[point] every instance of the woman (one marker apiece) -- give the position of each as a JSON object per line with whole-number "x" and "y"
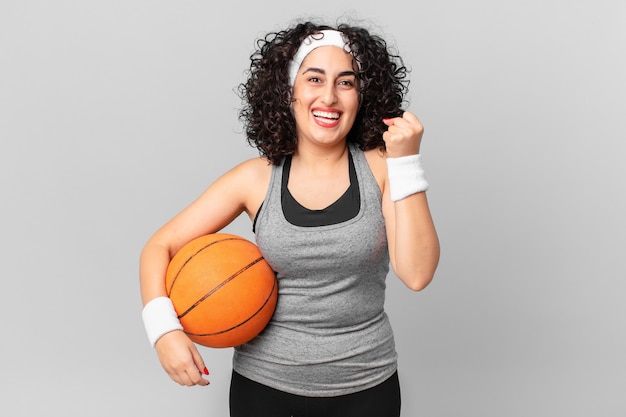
{"x": 337, "y": 195}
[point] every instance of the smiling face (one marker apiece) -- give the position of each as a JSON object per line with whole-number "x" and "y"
{"x": 325, "y": 96}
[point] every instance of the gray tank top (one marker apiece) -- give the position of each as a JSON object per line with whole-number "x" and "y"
{"x": 329, "y": 334}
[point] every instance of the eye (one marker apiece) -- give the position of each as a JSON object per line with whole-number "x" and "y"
{"x": 346, "y": 83}
{"x": 314, "y": 80}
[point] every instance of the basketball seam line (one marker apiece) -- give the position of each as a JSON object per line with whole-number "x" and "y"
{"x": 243, "y": 322}
{"x": 226, "y": 281}
{"x": 193, "y": 256}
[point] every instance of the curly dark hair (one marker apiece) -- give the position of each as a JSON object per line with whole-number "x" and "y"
{"x": 267, "y": 95}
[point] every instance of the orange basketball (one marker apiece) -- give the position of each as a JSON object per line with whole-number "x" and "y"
{"x": 223, "y": 290}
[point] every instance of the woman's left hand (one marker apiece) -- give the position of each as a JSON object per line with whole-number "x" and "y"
{"x": 403, "y": 135}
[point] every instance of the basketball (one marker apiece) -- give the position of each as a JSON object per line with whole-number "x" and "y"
{"x": 223, "y": 290}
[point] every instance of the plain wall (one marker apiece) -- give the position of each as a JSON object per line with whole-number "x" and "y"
{"x": 114, "y": 115}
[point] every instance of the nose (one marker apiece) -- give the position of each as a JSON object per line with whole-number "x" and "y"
{"x": 329, "y": 95}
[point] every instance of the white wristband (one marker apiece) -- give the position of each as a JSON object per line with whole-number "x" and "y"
{"x": 159, "y": 317}
{"x": 406, "y": 176}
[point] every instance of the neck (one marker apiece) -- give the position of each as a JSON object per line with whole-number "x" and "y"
{"x": 321, "y": 157}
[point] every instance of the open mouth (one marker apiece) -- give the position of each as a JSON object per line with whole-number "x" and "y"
{"x": 332, "y": 116}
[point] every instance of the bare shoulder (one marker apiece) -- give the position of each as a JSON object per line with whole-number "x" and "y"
{"x": 251, "y": 179}
{"x": 376, "y": 159}
{"x": 249, "y": 174}
{"x": 254, "y": 167}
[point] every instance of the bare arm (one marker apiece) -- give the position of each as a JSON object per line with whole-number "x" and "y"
{"x": 239, "y": 190}
{"x": 413, "y": 241}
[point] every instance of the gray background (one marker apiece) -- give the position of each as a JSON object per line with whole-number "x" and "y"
{"x": 116, "y": 114}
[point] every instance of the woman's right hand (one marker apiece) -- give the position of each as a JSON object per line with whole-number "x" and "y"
{"x": 180, "y": 358}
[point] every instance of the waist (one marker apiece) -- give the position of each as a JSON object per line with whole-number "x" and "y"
{"x": 320, "y": 362}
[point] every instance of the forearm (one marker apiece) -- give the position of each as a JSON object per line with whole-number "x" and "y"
{"x": 152, "y": 266}
{"x": 158, "y": 313}
{"x": 415, "y": 254}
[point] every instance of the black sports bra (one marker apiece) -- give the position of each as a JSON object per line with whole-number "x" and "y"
{"x": 344, "y": 208}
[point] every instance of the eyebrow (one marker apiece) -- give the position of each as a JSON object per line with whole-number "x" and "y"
{"x": 322, "y": 71}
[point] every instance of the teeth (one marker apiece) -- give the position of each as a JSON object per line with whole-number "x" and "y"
{"x": 326, "y": 115}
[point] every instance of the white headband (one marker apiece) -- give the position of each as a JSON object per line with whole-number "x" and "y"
{"x": 323, "y": 38}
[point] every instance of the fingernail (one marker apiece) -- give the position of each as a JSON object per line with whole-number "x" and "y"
{"x": 206, "y": 371}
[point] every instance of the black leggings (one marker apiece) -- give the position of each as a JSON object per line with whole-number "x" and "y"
{"x": 251, "y": 399}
